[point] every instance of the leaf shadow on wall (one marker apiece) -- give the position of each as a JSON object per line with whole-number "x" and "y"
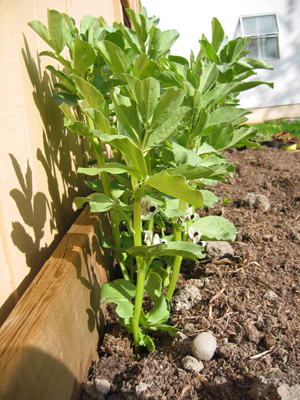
{"x": 60, "y": 156}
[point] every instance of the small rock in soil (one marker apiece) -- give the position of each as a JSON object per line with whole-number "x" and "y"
{"x": 185, "y": 297}
{"x": 192, "y": 364}
{"x": 219, "y": 250}
{"x": 250, "y": 200}
{"x": 270, "y": 295}
{"x": 97, "y": 389}
{"x": 272, "y": 389}
{"x": 204, "y": 346}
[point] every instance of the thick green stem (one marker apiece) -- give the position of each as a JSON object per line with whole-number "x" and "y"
{"x": 178, "y": 259}
{"x": 141, "y": 268}
{"x": 107, "y": 190}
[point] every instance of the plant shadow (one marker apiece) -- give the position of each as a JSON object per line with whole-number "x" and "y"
{"x": 48, "y": 213}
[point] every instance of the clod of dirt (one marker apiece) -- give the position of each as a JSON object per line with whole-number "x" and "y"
{"x": 141, "y": 387}
{"x": 268, "y": 389}
{"x": 185, "y": 297}
{"x": 97, "y": 389}
{"x": 228, "y": 350}
{"x": 219, "y": 250}
{"x": 192, "y": 364}
{"x": 204, "y": 346}
{"x": 250, "y": 200}
{"x": 252, "y": 334}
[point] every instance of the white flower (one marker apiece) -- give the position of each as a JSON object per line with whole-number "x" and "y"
{"x": 195, "y": 235}
{"x": 189, "y": 215}
{"x": 156, "y": 239}
{"x": 116, "y": 89}
{"x": 113, "y": 119}
{"x": 147, "y": 207}
{"x": 148, "y": 237}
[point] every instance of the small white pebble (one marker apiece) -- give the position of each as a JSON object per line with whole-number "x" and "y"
{"x": 204, "y": 346}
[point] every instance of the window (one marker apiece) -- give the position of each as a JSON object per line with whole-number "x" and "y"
{"x": 264, "y": 32}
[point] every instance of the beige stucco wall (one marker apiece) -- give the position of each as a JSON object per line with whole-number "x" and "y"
{"x": 38, "y": 159}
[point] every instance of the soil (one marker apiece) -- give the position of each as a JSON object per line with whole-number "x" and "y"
{"x": 250, "y": 301}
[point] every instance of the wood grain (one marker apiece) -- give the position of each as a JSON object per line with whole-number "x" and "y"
{"x": 50, "y": 338}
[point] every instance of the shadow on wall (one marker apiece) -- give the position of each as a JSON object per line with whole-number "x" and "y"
{"x": 60, "y": 157}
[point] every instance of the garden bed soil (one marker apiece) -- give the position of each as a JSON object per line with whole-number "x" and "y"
{"x": 250, "y": 301}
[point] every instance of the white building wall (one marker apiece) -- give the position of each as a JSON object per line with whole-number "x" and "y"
{"x": 192, "y": 18}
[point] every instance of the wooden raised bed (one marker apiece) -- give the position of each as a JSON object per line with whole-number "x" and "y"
{"x": 51, "y": 336}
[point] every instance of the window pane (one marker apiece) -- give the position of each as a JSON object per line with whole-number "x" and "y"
{"x": 269, "y": 48}
{"x": 260, "y": 24}
{"x": 253, "y": 47}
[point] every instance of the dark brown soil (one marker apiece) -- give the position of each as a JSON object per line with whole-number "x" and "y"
{"x": 234, "y": 307}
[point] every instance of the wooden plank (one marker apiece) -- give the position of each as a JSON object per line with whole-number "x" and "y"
{"x": 49, "y": 340}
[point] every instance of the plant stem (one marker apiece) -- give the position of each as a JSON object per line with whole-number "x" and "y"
{"x": 107, "y": 190}
{"x": 178, "y": 259}
{"x": 141, "y": 268}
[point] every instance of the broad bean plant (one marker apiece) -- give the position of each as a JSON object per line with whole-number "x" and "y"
{"x": 166, "y": 120}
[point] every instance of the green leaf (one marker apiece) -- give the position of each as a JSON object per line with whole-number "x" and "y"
{"x": 153, "y": 286}
{"x": 113, "y": 168}
{"x": 58, "y": 30}
{"x": 127, "y": 114}
{"x": 119, "y": 292}
{"x": 215, "y": 228}
{"x": 78, "y": 127}
{"x": 64, "y": 79}
{"x": 144, "y": 68}
{"x": 192, "y": 173}
{"x": 222, "y": 117}
{"x": 251, "y": 84}
{"x": 129, "y": 148}
{"x": 257, "y": 63}
{"x": 83, "y": 55}
{"x": 57, "y": 57}
{"x": 98, "y": 202}
{"x": 217, "y": 35}
{"x": 208, "y": 78}
{"x": 185, "y": 156}
{"x": 132, "y": 39}
{"x": 209, "y": 198}
{"x": 170, "y": 78}
{"x": 183, "y": 249}
{"x": 159, "y": 312}
{"x": 167, "y": 39}
{"x": 219, "y": 92}
{"x": 172, "y": 208}
{"x": 68, "y": 98}
{"x": 67, "y": 112}
{"x": 114, "y": 57}
{"x": 91, "y": 95}
{"x": 163, "y": 327}
{"x": 168, "y": 122}
{"x": 209, "y": 51}
{"x": 146, "y": 251}
{"x": 139, "y": 29}
{"x": 236, "y": 47}
{"x": 154, "y": 42}
{"x": 177, "y": 187}
{"x": 101, "y": 122}
{"x": 42, "y": 31}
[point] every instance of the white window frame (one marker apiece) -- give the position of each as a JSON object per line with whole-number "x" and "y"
{"x": 260, "y": 36}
